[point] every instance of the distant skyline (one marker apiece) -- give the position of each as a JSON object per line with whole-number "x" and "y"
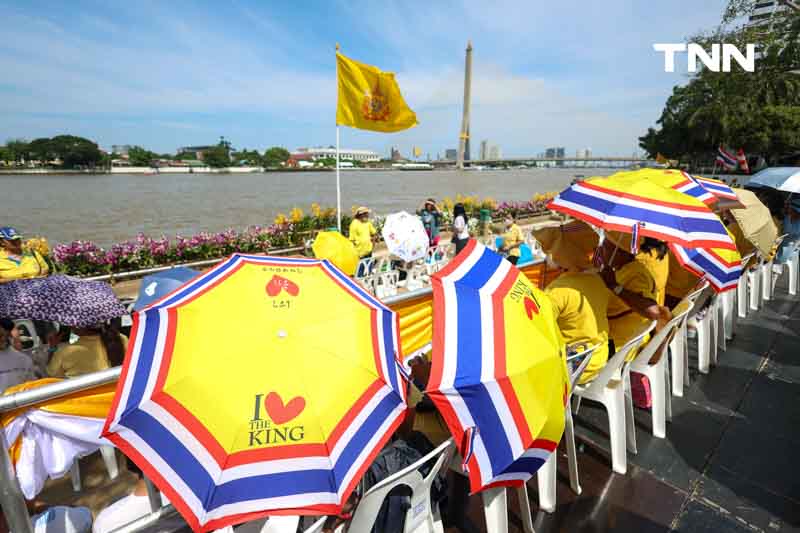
{"x": 163, "y": 75}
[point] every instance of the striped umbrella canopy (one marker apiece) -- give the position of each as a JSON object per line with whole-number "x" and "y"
{"x": 674, "y": 179}
{"x": 718, "y": 188}
{"x": 782, "y": 178}
{"x": 497, "y": 374}
{"x": 265, "y": 386}
{"x": 722, "y": 268}
{"x": 633, "y": 205}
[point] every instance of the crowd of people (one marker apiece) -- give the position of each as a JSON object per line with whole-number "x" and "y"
{"x": 602, "y": 307}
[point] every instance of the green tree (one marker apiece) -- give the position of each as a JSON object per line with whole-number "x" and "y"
{"x": 75, "y": 152}
{"x": 755, "y": 111}
{"x": 246, "y": 157}
{"x": 218, "y": 156}
{"x": 18, "y": 149}
{"x": 276, "y": 156}
{"x": 139, "y": 157}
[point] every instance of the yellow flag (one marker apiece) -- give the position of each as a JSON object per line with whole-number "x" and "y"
{"x": 370, "y": 99}
{"x": 417, "y": 151}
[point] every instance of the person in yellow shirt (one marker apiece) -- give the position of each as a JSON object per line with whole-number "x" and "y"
{"x": 362, "y": 232}
{"x": 680, "y": 283}
{"x": 580, "y": 303}
{"x": 98, "y": 348}
{"x": 632, "y": 279}
{"x": 16, "y": 263}
{"x": 512, "y": 240}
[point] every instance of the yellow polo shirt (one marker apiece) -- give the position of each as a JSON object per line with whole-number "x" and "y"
{"x": 361, "y": 234}
{"x": 27, "y": 265}
{"x": 625, "y": 323}
{"x": 680, "y": 281}
{"x": 580, "y": 304}
{"x": 511, "y": 237}
{"x": 659, "y": 269}
{"x": 87, "y": 355}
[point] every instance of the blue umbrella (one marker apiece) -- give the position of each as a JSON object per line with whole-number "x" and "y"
{"x": 782, "y": 178}
{"x": 158, "y": 285}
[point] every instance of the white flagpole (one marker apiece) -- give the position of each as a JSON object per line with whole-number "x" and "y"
{"x": 338, "y": 186}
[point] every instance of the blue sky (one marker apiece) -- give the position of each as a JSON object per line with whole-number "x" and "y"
{"x": 159, "y": 74}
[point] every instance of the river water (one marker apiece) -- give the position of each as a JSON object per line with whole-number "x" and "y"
{"x": 110, "y": 208}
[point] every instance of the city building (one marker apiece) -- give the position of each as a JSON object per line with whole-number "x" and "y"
{"x": 198, "y": 151}
{"x": 489, "y": 151}
{"x": 766, "y": 11}
{"x": 121, "y": 149}
{"x": 395, "y": 155}
{"x": 314, "y": 154}
{"x": 556, "y": 153}
{"x": 451, "y": 154}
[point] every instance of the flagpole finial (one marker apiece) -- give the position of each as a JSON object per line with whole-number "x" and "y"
{"x": 337, "y": 47}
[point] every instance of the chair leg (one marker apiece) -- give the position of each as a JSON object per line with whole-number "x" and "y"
{"x": 616, "y": 431}
{"x": 794, "y": 273}
{"x": 754, "y": 280}
{"x": 766, "y": 281}
{"x": 75, "y": 474}
{"x": 676, "y": 360}
{"x": 572, "y": 453}
{"x": 713, "y": 332}
{"x": 110, "y": 460}
{"x": 741, "y": 295}
{"x": 525, "y": 509}
{"x": 630, "y": 422}
{"x": 546, "y": 478}
{"x": 495, "y": 509}
{"x": 686, "y": 377}
{"x": 668, "y": 395}
{"x": 658, "y": 409}
{"x": 704, "y": 343}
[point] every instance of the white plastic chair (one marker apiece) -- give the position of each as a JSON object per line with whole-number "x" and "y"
{"x": 608, "y": 388}
{"x": 110, "y": 460}
{"x": 767, "y": 274}
{"x": 679, "y": 347}
{"x": 657, "y": 373}
{"x": 422, "y": 515}
{"x": 414, "y": 277}
{"x": 386, "y": 284}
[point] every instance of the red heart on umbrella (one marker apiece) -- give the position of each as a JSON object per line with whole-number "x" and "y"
{"x": 280, "y": 413}
{"x": 531, "y": 307}
{"x": 279, "y": 283}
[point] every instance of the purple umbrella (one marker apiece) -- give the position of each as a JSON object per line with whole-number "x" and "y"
{"x": 62, "y": 299}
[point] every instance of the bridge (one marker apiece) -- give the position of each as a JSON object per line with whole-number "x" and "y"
{"x": 563, "y": 162}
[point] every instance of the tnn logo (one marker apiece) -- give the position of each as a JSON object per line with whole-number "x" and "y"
{"x": 712, "y": 61}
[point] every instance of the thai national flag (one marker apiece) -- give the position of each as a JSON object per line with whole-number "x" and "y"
{"x": 726, "y": 159}
{"x": 743, "y": 161}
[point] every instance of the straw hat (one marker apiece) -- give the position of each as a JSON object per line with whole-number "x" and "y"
{"x": 362, "y": 211}
{"x": 570, "y": 246}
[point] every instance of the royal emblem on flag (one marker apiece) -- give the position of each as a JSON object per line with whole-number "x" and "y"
{"x": 375, "y": 106}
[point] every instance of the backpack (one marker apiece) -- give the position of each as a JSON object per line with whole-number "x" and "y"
{"x": 392, "y": 459}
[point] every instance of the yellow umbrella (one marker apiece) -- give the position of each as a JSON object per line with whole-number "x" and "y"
{"x": 755, "y": 222}
{"x": 265, "y": 386}
{"x": 337, "y": 249}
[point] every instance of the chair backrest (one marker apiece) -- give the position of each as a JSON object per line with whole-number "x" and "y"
{"x": 746, "y": 260}
{"x": 661, "y": 339}
{"x": 614, "y": 365}
{"x": 420, "y": 510}
{"x": 587, "y": 356}
{"x": 364, "y": 268}
{"x": 386, "y": 283}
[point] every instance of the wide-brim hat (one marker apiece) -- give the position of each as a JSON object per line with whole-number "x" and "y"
{"x": 362, "y": 211}
{"x": 569, "y": 246}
